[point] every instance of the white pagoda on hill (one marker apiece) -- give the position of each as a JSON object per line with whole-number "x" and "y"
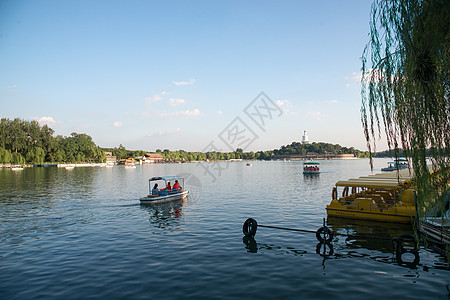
{"x": 305, "y": 138}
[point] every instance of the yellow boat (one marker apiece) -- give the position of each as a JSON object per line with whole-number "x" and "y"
{"x": 377, "y": 198}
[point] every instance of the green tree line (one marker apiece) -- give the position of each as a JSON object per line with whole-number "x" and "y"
{"x": 182, "y": 155}
{"x": 27, "y": 142}
{"x": 196, "y": 156}
{"x": 121, "y": 152}
{"x": 297, "y": 148}
{"x": 294, "y": 148}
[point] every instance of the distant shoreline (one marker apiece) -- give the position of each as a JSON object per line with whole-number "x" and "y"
{"x": 73, "y": 165}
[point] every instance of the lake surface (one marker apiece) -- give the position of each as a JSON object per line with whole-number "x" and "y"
{"x": 82, "y": 233}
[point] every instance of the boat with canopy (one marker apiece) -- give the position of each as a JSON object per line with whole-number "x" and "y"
{"x": 165, "y": 194}
{"x": 377, "y": 198}
{"x": 398, "y": 164}
{"x": 311, "y": 167}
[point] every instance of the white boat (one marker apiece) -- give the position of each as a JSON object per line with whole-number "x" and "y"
{"x": 398, "y": 164}
{"x": 130, "y": 164}
{"x": 164, "y": 195}
{"x": 17, "y": 168}
{"x": 311, "y": 167}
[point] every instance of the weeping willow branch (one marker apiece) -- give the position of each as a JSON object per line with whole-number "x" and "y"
{"x": 405, "y": 88}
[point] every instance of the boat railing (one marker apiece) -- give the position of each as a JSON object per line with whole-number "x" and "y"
{"x": 380, "y": 206}
{"x": 349, "y": 203}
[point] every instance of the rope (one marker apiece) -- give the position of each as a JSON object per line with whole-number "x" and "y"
{"x": 335, "y": 233}
{"x": 284, "y": 228}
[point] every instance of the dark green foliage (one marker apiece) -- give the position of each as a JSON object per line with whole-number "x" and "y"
{"x": 5, "y": 156}
{"x": 26, "y": 141}
{"x": 319, "y": 148}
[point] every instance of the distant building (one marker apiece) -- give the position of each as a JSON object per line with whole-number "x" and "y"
{"x": 110, "y": 159}
{"x": 153, "y": 158}
{"x": 305, "y": 138}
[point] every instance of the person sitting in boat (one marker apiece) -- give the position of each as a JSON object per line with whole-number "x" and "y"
{"x": 168, "y": 187}
{"x": 176, "y": 186}
{"x": 155, "y": 190}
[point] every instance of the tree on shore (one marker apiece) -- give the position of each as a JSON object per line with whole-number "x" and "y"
{"x": 26, "y": 141}
{"x": 405, "y": 87}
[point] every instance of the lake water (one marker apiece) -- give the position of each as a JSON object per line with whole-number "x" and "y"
{"x": 82, "y": 233}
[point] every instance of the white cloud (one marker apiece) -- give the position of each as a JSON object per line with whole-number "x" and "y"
{"x": 154, "y": 98}
{"x": 315, "y": 114}
{"x": 282, "y": 102}
{"x": 164, "y": 93}
{"x": 332, "y": 101}
{"x": 356, "y": 77}
{"x": 118, "y": 124}
{"x": 286, "y": 106}
{"x": 219, "y": 112}
{"x": 372, "y": 75}
{"x": 183, "y": 113}
{"x": 162, "y": 132}
{"x": 353, "y": 79}
{"x": 181, "y": 83}
{"x": 176, "y": 102}
{"x": 44, "y": 120}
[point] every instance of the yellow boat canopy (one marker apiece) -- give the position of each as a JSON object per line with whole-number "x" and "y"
{"x": 401, "y": 181}
{"x": 369, "y": 184}
{"x": 387, "y": 177}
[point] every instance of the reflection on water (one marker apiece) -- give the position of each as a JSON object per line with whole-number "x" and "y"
{"x": 40, "y": 200}
{"x": 358, "y": 239}
{"x": 379, "y": 234}
{"x": 82, "y": 233}
{"x": 165, "y": 216}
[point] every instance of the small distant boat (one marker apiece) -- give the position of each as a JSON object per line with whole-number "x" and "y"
{"x": 17, "y": 168}
{"x": 109, "y": 166}
{"x": 311, "y": 167}
{"x": 398, "y": 164}
{"x": 249, "y": 164}
{"x": 69, "y": 167}
{"x": 130, "y": 164}
{"x": 164, "y": 195}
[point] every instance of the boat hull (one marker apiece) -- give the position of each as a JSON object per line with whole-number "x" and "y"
{"x": 369, "y": 215}
{"x": 311, "y": 172}
{"x": 436, "y": 232}
{"x": 162, "y": 199}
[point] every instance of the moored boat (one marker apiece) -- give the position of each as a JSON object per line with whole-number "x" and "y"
{"x": 17, "y": 168}
{"x": 130, "y": 163}
{"x": 165, "y": 194}
{"x": 397, "y": 164}
{"x": 311, "y": 167}
{"x": 436, "y": 225}
{"x": 376, "y": 198}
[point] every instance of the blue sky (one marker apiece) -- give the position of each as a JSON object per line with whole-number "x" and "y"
{"x": 176, "y": 74}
